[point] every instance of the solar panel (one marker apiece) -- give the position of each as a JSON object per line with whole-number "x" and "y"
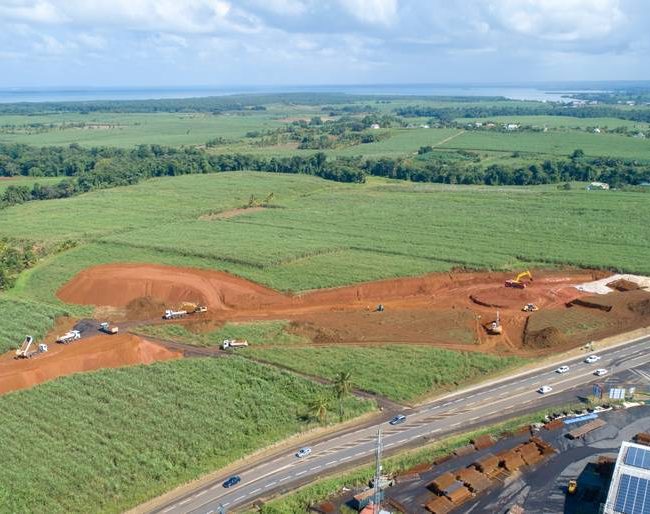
{"x": 633, "y": 496}
{"x": 637, "y": 457}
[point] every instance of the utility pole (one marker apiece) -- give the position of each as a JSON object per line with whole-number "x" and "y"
{"x": 376, "y": 504}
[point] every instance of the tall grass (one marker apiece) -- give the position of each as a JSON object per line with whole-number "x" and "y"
{"x": 108, "y": 440}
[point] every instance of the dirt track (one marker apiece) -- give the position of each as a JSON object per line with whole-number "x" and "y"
{"x": 87, "y": 355}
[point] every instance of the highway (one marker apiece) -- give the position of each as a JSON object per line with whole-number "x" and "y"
{"x": 457, "y": 412}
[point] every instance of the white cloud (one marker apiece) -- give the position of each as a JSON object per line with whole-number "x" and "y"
{"x": 559, "y": 20}
{"x": 92, "y": 41}
{"x": 39, "y": 11}
{"x": 378, "y": 12}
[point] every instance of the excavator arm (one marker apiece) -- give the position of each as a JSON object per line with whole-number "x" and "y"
{"x": 524, "y": 274}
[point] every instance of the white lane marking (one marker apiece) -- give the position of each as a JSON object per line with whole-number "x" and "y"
{"x": 270, "y": 484}
{"x": 185, "y": 501}
{"x": 301, "y": 473}
{"x": 315, "y": 468}
{"x": 228, "y": 503}
{"x": 201, "y": 493}
{"x": 401, "y": 441}
{"x": 358, "y": 454}
{"x": 256, "y": 490}
{"x": 283, "y": 479}
{"x": 240, "y": 498}
{"x": 215, "y": 486}
{"x": 330, "y": 463}
{"x": 169, "y": 508}
{"x": 347, "y": 458}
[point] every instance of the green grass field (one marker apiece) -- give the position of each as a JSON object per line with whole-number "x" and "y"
{"x": 127, "y": 130}
{"x": 553, "y": 143}
{"x": 108, "y": 440}
{"x": 399, "y": 372}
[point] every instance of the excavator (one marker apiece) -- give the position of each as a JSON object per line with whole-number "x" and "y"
{"x": 516, "y": 282}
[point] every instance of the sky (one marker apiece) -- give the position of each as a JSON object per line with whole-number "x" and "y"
{"x": 48, "y": 43}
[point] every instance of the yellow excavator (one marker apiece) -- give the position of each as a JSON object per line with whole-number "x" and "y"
{"x": 517, "y": 282}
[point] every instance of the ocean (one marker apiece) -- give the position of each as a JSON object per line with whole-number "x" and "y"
{"x": 70, "y": 94}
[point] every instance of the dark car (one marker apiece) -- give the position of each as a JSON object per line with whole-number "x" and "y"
{"x": 398, "y": 419}
{"x": 232, "y": 481}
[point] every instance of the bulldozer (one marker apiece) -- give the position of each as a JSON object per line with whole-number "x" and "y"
{"x": 530, "y": 307}
{"x": 517, "y": 283}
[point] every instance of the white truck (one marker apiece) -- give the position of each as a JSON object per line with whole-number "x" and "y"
{"x": 108, "y": 329}
{"x": 68, "y": 337}
{"x": 170, "y": 314}
{"x": 200, "y": 308}
{"x": 233, "y": 344}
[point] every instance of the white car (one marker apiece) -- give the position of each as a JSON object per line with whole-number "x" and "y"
{"x": 592, "y": 358}
{"x": 600, "y": 372}
{"x": 545, "y": 389}
{"x": 303, "y": 452}
{"x": 562, "y": 369}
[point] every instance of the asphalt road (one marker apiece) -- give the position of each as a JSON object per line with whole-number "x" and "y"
{"x": 462, "y": 410}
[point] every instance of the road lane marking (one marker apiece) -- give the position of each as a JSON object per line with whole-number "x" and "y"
{"x": 301, "y": 473}
{"x": 185, "y": 501}
{"x": 285, "y": 478}
{"x": 270, "y": 484}
{"x": 330, "y": 463}
{"x": 256, "y": 490}
{"x": 315, "y": 468}
{"x": 170, "y": 508}
{"x": 239, "y": 499}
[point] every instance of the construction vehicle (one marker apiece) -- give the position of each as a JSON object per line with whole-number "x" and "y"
{"x": 68, "y": 337}
{"x": 380, "y": 308}
{"x": 170, "y": 314}
{"x": 530, "y": 307}
{"x": 24, "y": 353}
{"x": 572, "y": 487}
{"x": 108, "y": 329}
{"x": 200, "y": 308}
{"x": 234, "y": 343}
{"x": 517, "y": 283}
{"x": 495, "y": 327}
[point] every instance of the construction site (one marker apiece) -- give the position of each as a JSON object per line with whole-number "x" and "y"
{"x": 533, "y": 313}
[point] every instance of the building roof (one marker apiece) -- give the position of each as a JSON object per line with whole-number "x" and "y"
{"x": 629, "y": 492}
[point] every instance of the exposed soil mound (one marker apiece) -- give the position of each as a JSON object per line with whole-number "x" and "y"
{"x": 641, "y": 307}
{"x": 592, "y": 302}
{"x": 549, "y": 337}
{"x": 623, "y": 285}
{"x": 85, "y": 355}
{"x": 144, "y": 308}
{"x": 120, "y": 284}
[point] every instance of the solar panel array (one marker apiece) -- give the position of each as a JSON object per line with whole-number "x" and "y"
{"x": 633, "y": 496}
{"x": 637, "y": 457}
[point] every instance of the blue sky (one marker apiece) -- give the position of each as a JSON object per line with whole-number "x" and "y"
{"x": 294, "y": 42}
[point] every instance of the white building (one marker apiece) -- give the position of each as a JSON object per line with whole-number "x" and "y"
{"x": 512, "y": 126}
{"x": 629, "y": 492}
{"x": 598, "y": 185}
{"x": 375, "y": 126}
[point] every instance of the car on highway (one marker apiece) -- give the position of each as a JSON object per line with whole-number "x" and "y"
{"x": 562, "y": 369}
{"x": 400, "y": 418}
{"x": 232, "y": 481}
{"x": 592, "y": 358}
{"x": 600, "y": 372}
{"x": 303, "y": 452}
{"x": 545, "y": 389}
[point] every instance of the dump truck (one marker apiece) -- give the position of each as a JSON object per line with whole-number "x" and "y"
{"x": 530, "y": 307}
{"x": 517, "y": 283}
{"x": 108, "y": 329}
{"x": 170, "y": 314}
{"x": 200, "y": 308}
{"x": 68, "y": 337}
{"x": 234, "y": 343}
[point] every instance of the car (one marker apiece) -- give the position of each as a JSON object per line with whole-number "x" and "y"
{"x": 562, "y": 369}
{"x": 303, "y": 452}
{"x": 232, "y": 481}
{"x": 600, "y": 372}
{"x": 592, "y": 358}
{"x": 400, "y": 418}
{"x": 545, "y": 389}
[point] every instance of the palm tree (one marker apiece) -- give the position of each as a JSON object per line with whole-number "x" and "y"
{"x": 342, "y": 388}
{"x": 319, "y": 407}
